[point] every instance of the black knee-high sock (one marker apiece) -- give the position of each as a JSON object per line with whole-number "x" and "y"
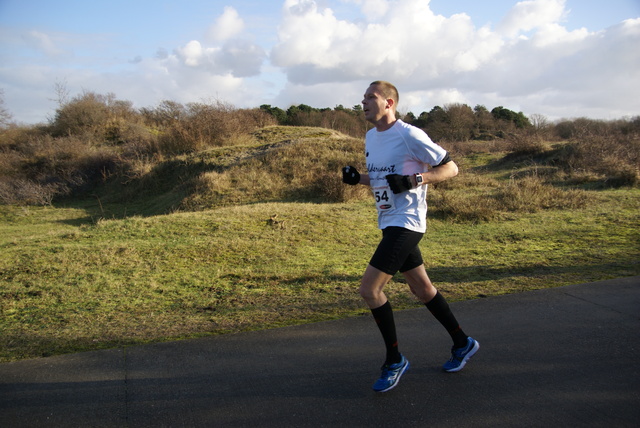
{"x": 439, "y": 308}
{"x": 384, "y": 318}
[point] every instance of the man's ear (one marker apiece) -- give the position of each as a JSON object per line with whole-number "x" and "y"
{"x": 390, "y": 102}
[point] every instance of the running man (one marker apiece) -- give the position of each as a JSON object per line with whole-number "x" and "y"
{"x": 401, "y": 161}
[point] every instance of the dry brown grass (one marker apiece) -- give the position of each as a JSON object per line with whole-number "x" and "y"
{"x": 301, "y": 165}
{"x": 209, "y": 154}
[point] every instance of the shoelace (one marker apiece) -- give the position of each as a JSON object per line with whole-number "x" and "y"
{"x": 456, "y": 353}
{"x": 387, "y": 370}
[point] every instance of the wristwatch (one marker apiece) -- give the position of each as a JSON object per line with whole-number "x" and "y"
{"x": 419, "y": 179}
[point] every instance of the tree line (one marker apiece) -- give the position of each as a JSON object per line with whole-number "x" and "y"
{"x": 453, "y": 122}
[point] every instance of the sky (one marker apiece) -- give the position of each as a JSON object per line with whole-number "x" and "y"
{"x": 555, "y": 58}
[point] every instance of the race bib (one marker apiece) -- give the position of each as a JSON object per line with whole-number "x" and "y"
{"x": 384, "y": 198}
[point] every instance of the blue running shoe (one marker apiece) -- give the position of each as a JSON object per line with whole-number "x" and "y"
{"x": 460, "y": 356}
{"x": 391, "y": 375}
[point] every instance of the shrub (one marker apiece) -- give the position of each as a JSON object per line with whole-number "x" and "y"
{"x": 613, "y": 160}
{"x": 84, "y": 115}
{"x": 197, "y": 126}
{"x": 19, "y": 191}
{"x": 37, "y": 167}
{"x": 476, "y": 198}
{"x": 532, "y": 194}
{"x": 525, "y": 144}
{"x": 581, "y": 128}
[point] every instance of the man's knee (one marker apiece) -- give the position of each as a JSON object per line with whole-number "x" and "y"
{"x": 372, "y": 284}
{"x": 369, "y": 293}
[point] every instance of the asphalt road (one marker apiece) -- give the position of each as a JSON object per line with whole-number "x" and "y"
{"x": 566, "y": 356}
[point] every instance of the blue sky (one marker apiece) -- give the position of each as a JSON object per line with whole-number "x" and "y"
{"x": 558, "y": 58}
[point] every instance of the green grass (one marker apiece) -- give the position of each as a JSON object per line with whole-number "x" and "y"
{"x": 249, "y": 249}
{"x": 69, "y": 283}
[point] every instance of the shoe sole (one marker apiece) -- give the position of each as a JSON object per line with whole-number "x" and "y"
{"x": 470, "y": 354}
{"x": 404, "y": 369}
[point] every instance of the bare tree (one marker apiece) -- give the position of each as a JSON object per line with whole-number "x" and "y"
{"x": 61, "y": 91}
{"x": 5, "y": 116}
{"x": 541, "y": 125}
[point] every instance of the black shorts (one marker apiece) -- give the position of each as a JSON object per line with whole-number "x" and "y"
{"x": 398, "y": 251}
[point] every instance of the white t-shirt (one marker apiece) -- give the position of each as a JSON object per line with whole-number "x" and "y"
{"x": 406, "y": 150}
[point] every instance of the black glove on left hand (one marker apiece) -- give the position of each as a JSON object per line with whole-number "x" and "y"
{"x": 350, "y": 175}
{"x": 399, "y": 183}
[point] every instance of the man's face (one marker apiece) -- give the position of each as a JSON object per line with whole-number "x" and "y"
{"x": 374, "y": 104}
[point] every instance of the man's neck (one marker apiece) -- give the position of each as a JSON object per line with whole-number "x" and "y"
{"x": 385, "y": 123}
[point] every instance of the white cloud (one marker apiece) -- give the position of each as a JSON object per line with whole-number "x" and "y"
{"x": 172, "y": 79}
{"x": 192, "y": 53}
{"x": 531, "y": 14}
{"x": 43, "y": 42}
{"x": 407, "y": 42}
{"x": 228, "y": 25}
{"x": 374, "y": 9}
{"x": 310, "y": 36}
{"x": 555, "y": 34}
{"x": 530, "y": 60}
{"x": 230, "y": 51}
{"x": 236, "y": 57}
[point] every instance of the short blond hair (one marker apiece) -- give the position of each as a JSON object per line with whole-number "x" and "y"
{"x": 387, "y": 90}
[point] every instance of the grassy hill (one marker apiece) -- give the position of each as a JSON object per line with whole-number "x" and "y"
{"x": 263, "y": 234}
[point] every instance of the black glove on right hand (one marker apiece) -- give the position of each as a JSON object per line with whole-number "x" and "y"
{"x": 350, "y": 175}
{"x": 399, "y": 183}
